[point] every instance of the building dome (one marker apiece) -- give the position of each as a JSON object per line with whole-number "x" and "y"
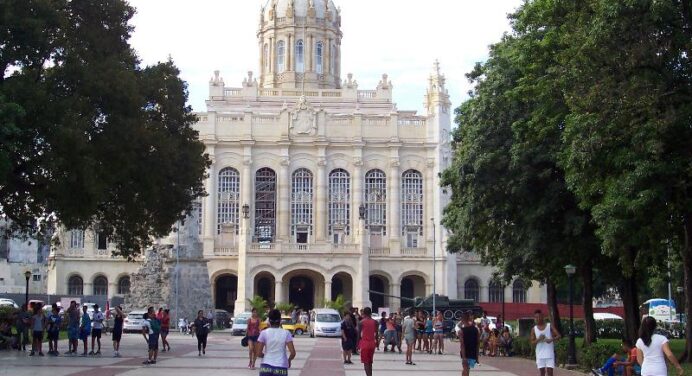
{"x": 323, "y": 8}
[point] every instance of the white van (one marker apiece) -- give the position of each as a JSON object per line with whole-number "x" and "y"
{"x": 325, "y": 322}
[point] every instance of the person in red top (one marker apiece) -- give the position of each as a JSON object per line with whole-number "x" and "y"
{"x": 367, "y": 327}
{"x": 165, "y": 319}
{"x": 252, "y": 332}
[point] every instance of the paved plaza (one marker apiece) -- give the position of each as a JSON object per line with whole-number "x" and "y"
{"x": 225, "y": 356}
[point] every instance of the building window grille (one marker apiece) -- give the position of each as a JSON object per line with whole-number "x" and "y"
{"x": 228, "y": 198}
{"x": 75, "y": 285}
{"x": 412, "y": 207}
{"x": 124, "y": 285}
{"x": 265, "y": 205}
{"x": 100, "y": 285}
{"x": 495, "y": 292}
{"x": 472, "y": 290}
{"x": 77, "y": 239}
{"x": 518, "y": 292}
{"x": 301, "y": 205}
{"x": 376, "y": 201}
{"x": 339, "y": 204}
{"x": 319, "y": 53}
{"x": 300, "y": 56}
{"x": 280, "y": 55}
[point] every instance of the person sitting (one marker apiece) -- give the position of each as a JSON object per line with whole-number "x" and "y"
{"x": 618, "y": 364}
{"x": 506, "y": 342}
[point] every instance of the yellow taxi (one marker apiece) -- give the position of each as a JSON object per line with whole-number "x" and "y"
{"x": 295, "y": 328}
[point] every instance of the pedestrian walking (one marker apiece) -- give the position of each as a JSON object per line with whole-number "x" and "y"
{"x": 469, "y": 339}
{"x": 420, "y": 330}
{"x": 85, "y": 329}
{"x": 21, "y": 324}
{"x": 252, "y": 333}
{"x": 438, "y": 334}
{"x": 653, "y": 349}
{"x": 54, "y": 322}
{"x": 117, "y": 330}
{"x": 151, "y": 328}
{"x": 73, "y": 328}
{"x": 38, "y": 327}
{"x": 165, "y": 329}
{"x": 367, "y": 328}
{"x": 543, "y": 336}
{"x": 348, "y": 337}
{"x": 96, "y": 329}
{"x": 271, "y": 347}
{"x": 201, "y": 328}
{"x": 428, "y": 336}
{"x": 409, "y": 331}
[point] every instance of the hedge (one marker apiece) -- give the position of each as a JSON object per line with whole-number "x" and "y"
{"x": 587, "y": 358}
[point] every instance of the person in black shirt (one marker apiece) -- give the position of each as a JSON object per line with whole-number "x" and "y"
{"x": 201, "y": 326}
{"x": 117, "y": 331}
{"x": 469, "y": 339}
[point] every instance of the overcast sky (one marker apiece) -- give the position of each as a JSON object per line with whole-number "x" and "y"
{"x": 399, "y": 37}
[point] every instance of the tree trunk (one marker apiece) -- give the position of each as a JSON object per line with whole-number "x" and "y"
{"x": 630, "y": 300}
{"x": 587, "y": 303}
{"x": 687, "y": 267}
{"x": 552, "y": 306}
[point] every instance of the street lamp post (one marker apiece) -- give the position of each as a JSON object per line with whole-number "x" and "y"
{"x": 680, "y": 291}
{"x": 434, "y": 271}
{"x": 27, "y": 275}
{"x": 571, "y": 347}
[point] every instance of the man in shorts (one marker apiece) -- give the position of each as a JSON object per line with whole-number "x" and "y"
{"x": 151, "y": 328}
{"x": 96, "y": 329}
{"x": 409, "y": 330}
{"x": 469, "y": 340}
{"x": 367, "y": 327}
{"x": 85, "y": 329}
{"x": 73, "y": 328}
{"x": 543, "y": 336}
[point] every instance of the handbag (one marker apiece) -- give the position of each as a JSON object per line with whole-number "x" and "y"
{"x": 243, "y": 342}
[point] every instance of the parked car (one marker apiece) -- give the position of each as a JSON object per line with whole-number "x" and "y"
{"x": 222, "y": 318}
{"x": 296, "y": 328}
{"x": 325, "y": 322}
{"x": 133, "y": 322}
{"x": 5, "y": 302}
{"x": 239, "y": 326}
{"x": 493, "y": 323}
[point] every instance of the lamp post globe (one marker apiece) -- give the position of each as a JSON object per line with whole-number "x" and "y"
{"x": 571, "y": 346}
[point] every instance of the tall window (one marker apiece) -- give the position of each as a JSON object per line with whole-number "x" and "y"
{"x": 471, "y": 290}
{"x": 124, "y": 285}
{"x": 495, "y": 292}
{"x": 265, "y": 56}
{"x": 412, "y": 207}
{"x": 518, "y": 291}
{"x": 228, "y": 198}
{"x": 100, "y": 285}
{"x": 265, "y": 205}
{"x": 339, "y": 204}
{"x": 300, "y": 56}
{"x": 319, "y": 52}
{"x": 376, "y": 201}
{"x": 101, "y": 241}
{"x": 301, "y": 205}
{"x": 77, "y": 239}
{"x": 280, "y": 54}
{"x": 75, "y": 285}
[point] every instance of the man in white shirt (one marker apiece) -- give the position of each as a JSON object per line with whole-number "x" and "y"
{"x": 96, "y": 329}
{"x": 543, "y": 336}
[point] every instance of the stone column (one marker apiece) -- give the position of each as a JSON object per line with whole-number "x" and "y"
{"x": 361, "y": 281}
{"x": 209, "y": 224}
{"x": 284, "y": 202}
{"x": 279, "y": 291}
{"x": 321, "y": 200}
{"x": 244, "y": 287}
{"x": 327, "y": 289}
{"x": 271, "y": 55}
{"x": 429, "y": 191}
{"x": 289, "y": 48}
{"x": 394, "y": 218}
{"x": 394, "y": 304}
{"x": 112, "y": 289}
{"x": 310, "y": 57}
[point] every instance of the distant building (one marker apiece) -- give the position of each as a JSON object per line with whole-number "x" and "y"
{"x": 18, "y": 255}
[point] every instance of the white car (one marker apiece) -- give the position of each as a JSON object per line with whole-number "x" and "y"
{"x": 239, "y": 326}
{"x": 133, "y": 322}
{"x": 325, "y": 322}
{"x": 8, "y": 303}
{"x": 493, "y": 324}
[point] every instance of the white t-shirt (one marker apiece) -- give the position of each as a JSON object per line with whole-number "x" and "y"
{"x": 654, "y": 359}
{"x": 98, "y": 320}
{"x": 544, "y": 350}
{"x": 147, "y": 324}
{"x": 275, "y": 340}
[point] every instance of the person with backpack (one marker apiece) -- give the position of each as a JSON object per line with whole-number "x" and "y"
{"x": 151, "y": 328}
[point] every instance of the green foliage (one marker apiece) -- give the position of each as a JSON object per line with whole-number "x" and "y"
{"x": 285, "y": 308}
{"x": 522, "y": 347}
{"x": 339, "y": 304}
{"x": 257, "y": 302}
{"x": 7, "y": 312}
{"x": 87, "y": 135}
{"x": 595, "y": 355}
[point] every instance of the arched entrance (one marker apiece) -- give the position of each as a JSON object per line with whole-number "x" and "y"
{"x": 378, "y": 284}
{"x": 342, "y": 284}
{"x": 412, "y": 286}
{"x": 225, "y": 292}
{"x": 301, "y": 292}
{"x": 264, "y": 286}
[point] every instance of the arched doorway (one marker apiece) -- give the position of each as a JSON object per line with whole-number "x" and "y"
{"x": 342, "y": 284}
{"x": 226, "y": 292}
{"x": 412, "y": 286}
{"x": 301, "y": 292}
{"x": 378, "y": 284}
{"x": 264, "y": 286}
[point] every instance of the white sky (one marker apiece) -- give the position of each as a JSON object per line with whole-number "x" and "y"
{"x": 399, "y": 37}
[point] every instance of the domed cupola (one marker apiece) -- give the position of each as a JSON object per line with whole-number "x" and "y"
{"x": 300, "y": 44}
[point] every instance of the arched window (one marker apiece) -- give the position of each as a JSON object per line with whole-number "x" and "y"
{"x": 518, "y": 291}
{"x": 376, "y": 200}
{"x": 280, "y": 55}
{"x": 228, "y": 198}
{"x": 495, "y": 292}
{"x": 124, "y": 285}
{"x": 412, "y": 207}
{"x": 100, "y": 285}
{"x": 300, "y": 56}
{"x": 319, "y": 53}
{"x": 265, "y": 205}
{"x": 265, "y": 56}
{"x": 77, "y": 239}
{"x": 301, "y": 205}
{"x": 339, "y": 204}
{"x": 471, "y": 290}
{"x": 75, "y": 285}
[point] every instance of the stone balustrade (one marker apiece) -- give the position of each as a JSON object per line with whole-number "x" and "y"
{"x": 379, "y": 251}
{"x": 228, "y": 251}
{"x": 413, "y": 252}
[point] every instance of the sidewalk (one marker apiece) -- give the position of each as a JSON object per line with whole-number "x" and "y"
{"x": 521, "y": 367}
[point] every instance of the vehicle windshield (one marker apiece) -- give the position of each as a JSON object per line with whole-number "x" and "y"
{"x": 135, "y": 316}
{"x": 286, "y": 321}
{"x": 328, "y": 317}
{"x": 240, "y": 320}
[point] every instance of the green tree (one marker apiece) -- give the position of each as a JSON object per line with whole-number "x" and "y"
{"x": 285, "y": 308}
{"x": 340, "y": 304}
{"x": 257, "y": 302}
{"x": 87, "y": 135}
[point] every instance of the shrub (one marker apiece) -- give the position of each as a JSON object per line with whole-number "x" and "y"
{"x": 7, "y": 312}
{"x": 285, "y": 308}
{"x": 522, "y": 347}
{"x": 561, "y": 351}
{"x": 596, "y": 354}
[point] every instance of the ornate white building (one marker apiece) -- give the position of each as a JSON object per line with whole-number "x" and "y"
{"x": 317, "y": 188}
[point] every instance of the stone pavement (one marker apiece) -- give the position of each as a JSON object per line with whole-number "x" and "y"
{"x": 316, "y": 357}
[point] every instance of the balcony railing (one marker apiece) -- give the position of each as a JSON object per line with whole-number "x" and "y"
{"x": 413, "y": 252}
{"x": 379, "y": 251}
{"x": 226, "y": 251}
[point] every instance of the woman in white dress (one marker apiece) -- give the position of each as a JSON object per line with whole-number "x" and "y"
{"x": 653, "y": 349}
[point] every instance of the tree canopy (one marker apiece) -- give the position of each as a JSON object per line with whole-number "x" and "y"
{"x": 88, "y": 135}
